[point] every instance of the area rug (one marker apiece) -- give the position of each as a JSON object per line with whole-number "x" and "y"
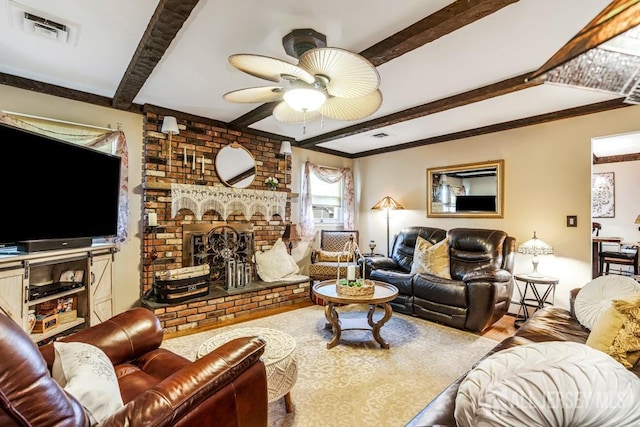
{"x": 357, "y": 383}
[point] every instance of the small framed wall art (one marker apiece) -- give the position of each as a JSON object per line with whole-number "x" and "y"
{"x": 603, "y": 195}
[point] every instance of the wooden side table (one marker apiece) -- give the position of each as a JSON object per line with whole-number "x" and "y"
{"x": 538, "y": 299}
{"x": 383, "y": 293}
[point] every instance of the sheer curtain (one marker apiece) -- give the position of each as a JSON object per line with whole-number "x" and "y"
{"x": 87, "y": 136}
{"x": 329, "y": 175}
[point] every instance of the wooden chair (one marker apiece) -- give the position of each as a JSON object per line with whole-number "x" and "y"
{"x": 624, "y": 257}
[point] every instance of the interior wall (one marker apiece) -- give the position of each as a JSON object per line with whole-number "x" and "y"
{"x": 127, "y": 261}
{"x": 547, "y": 177}
{"x": 626, "y": 177}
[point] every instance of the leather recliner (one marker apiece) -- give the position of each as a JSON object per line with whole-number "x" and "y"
{"x": 480, "y": 288}
{"x": 397, "y": 267}
{"x": 159, "y": 388}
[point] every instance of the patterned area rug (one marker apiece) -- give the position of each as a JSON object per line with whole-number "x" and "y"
{"x": 357, "y": 383}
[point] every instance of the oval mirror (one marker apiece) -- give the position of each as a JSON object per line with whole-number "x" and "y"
{"x": 235, "y": 166}
{"x": 474, "y": 190}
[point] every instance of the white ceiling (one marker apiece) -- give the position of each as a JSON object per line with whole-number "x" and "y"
{"x": 194, "y": 73}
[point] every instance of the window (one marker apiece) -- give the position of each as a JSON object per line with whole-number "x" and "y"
{"x": 326, "y": 200}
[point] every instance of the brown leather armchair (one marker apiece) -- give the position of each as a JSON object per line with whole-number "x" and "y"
{"x": 227, "y": 387}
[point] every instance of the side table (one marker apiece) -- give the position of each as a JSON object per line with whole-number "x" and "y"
{"x": 538, "y": 299}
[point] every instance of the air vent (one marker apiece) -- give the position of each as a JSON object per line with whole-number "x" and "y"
{"x": 42, "y": 24}
{"x": 380, "y": 135}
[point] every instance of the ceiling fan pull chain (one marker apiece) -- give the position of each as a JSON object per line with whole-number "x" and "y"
{"x": 304, "y": 122}
{"x": 321, "y": 121}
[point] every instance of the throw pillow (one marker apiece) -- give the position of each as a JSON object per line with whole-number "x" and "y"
{"x": 276, "y": 263}
{"x": 86, "y": 373}
{"x": 626, "y": 344}
{"x": 605, "y": 330}
{"x": 328, "y": 256}
{"x": 596, "y": 296}
{"x": 548, "y": 383}
{"x": 436, "y": 260}
{"x": 419, "y": 255}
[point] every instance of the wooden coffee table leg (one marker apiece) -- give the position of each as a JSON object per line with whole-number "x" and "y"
{"x": 288, "y": 405}
{"x": 332, "y": 316}
{"x": 378, "y": 325}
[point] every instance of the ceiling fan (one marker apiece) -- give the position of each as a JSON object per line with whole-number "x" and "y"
{"x": 326, "y": 82}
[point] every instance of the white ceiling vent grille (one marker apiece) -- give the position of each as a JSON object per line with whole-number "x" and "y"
{"x": 42, "y": 24}
{"x": 380, "y": 135}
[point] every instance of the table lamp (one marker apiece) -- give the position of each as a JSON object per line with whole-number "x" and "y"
{"x": 387, "y": 203}
{"x": 290, "y": 236}
{"x": 638, "y": 221}
{"x": 536, "y": 247}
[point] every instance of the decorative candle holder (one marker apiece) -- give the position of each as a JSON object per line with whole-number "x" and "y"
{"x": 350, "y": 285}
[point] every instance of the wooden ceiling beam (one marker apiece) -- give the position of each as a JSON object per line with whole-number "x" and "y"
{"x": 504, "y": 87}
{"x": 448, "y": 19}
{"x": 499, "y": 127}
{"x": 445, "y": 21}
{"x": 163, "y": 27}
{"x": 615, "y": 159}
{"x": 63, "y": 92}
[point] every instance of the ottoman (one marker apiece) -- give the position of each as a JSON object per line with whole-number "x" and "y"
{"x": 279, "y": 358}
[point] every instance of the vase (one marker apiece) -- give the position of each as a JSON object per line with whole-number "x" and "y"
{"x": 31, "y": 320}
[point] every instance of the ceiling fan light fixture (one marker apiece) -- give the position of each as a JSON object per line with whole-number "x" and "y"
{"x": 305, "y": 98}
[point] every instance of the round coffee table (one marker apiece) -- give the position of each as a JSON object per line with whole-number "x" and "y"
{"x": 279, "y": 358}
{"x": 383, "y": 293}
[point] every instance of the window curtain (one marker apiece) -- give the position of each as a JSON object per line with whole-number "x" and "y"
{"x": 329, "y": 175}
{"x": 87, "y": 136}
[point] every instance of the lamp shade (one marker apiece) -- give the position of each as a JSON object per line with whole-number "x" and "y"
{"x": 285, "y": 147}
{"x": 170, "y": 125}
{"x": 535, "y": 246}
{"x": 638, "y": 219}
{"x": 387, "y": 202}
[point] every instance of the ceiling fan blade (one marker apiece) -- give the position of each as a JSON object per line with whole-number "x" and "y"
{"x": 350, "y": 74}
{"x": 352, "y": 108}
{"x": 255, "y": 94}
{"x": 268, "y": 68}
{"x": 283, "y": 113}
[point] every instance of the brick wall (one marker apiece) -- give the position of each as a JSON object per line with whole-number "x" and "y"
{"x": 206, "y": 137}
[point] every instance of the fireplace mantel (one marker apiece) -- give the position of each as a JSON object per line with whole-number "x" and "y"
{"x": 226, "y": 200}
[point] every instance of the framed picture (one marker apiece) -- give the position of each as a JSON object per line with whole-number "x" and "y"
{"x": 602, "y": 195}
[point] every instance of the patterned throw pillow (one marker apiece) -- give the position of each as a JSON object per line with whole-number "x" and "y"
{"x": 626, "y": 345}
{"x": 436, "y": 260}
{"x": 419, "y": 255}
{"x": 86, "y": 373}
{"x": 328, "y": 256}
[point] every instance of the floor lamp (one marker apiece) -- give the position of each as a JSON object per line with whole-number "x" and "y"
{"x": 387, "y": 203}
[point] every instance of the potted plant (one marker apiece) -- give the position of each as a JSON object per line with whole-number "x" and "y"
{"x": 272, "y": 183}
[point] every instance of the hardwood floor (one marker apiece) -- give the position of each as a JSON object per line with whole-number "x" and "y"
{"x": 502, "y": 329}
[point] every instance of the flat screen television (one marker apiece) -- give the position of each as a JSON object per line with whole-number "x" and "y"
{"x": 476, "y": 204}
{"x": 55, "y": 194}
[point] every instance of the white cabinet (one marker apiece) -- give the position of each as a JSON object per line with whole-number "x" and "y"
{"x": 39, "y": 279}
{"x": 101, "y": 295}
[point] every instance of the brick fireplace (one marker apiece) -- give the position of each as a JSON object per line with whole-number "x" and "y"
{"x": 167, "y": 245}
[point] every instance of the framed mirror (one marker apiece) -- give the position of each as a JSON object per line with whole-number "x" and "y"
{"x": 473, "y": 190}
{"x": 236, "y": 166}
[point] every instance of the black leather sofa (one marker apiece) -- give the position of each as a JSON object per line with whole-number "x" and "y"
{"x": 480, "y": 288}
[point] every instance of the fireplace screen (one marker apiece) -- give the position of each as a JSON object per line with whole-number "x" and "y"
{"x": 228, "y": 253}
